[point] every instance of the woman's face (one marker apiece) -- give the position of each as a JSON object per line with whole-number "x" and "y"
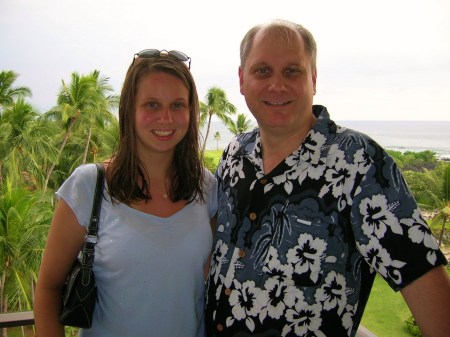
{"x": 162, "y": 113}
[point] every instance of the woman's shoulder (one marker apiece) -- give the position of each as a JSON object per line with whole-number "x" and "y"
{"x": 84, "y": 168}
{"x": 84, "y": 173}
{"x": 208, "y": 176}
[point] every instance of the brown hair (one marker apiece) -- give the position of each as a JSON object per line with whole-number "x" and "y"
{"x": 280, "y": 29}
{"x": 126, "y": 176}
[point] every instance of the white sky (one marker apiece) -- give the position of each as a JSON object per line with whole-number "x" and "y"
{"x": 377, "y": 60}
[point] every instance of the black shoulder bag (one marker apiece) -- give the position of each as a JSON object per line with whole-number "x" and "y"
{"x": 80, "y": 292}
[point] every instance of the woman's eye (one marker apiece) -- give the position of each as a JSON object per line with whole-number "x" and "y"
{"x": 178, "y": 105}
{"x": 152, "y": 105}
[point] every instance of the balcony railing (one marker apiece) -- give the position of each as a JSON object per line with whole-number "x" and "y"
{"x": 25, "y": 318}
{"x": 13, "y": 319}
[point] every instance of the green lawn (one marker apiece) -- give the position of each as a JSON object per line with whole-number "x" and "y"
{"x": 386, "y": 312}
{"x": 215, "y": 154}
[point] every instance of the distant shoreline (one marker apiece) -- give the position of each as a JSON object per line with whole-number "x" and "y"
{"x": 414, "y": 136}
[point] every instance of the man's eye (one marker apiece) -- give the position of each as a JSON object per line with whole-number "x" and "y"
{"x": 262, "y": 71}
{"x": 292, "y": 71}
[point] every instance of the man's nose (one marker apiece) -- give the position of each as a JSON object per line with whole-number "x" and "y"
{"x": 277, "y": 83}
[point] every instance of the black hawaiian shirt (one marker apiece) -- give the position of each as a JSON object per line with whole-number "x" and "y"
{"x": 296, "y": 249}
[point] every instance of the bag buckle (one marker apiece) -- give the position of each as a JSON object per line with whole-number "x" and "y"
{"x": 91, "y": 238}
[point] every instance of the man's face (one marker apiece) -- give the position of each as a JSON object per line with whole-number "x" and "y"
{"x": 278, "y": 83}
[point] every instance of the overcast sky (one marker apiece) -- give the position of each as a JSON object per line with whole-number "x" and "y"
{"x": 377, "y": 60}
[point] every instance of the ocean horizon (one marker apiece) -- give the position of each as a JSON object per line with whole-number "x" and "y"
{"x": 415, "y": 136}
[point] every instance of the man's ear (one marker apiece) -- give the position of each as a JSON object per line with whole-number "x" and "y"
{"x": 314, "y": 79}
{"x": 241, "y": 80}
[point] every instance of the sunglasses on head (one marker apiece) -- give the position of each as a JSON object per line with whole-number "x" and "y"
{"x": 175, "y": 54}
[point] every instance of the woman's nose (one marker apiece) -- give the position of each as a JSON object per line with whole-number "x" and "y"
{"x": 166, "y": 116}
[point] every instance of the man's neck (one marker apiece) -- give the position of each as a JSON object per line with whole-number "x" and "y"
{"x": 276, "y": 146}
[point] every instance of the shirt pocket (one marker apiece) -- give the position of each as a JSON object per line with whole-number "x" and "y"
{"x": 299, "y": 249}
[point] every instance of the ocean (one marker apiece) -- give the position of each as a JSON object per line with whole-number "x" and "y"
{"x": 392, "y": 135}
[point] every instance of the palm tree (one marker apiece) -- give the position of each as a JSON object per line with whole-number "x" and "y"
{"x": 217, "y": 138}
{"x": 8, "y": 93}
{"x": 242, "y": 125}
{"x": 72, "y": 100}
{"x": 24, "y": 140}
{"x": 24, "y": 223}
{"x": 218, "y": 105}
{"x": 83, "y": 102}
{"x": 100, "y": 113}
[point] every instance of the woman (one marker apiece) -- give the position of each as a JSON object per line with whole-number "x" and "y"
{"x": 154, "y": 230}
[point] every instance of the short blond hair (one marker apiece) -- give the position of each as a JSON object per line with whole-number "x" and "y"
{"x": 280, "y": 29}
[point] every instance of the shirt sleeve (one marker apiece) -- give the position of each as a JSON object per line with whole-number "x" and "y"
{"x": 78, "y": 192}
{"x": 390, "y": 231}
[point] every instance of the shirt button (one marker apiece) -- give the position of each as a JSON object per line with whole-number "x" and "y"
{"x": 219, "y": 327}
{"x": 252, "y": 216}
{"x": 242, "y": 253}
{"x": 263, "y": 181}
{"x": 227, "y": 291}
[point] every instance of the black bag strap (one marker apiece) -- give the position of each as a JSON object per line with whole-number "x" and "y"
{"x": 91, "y": 238}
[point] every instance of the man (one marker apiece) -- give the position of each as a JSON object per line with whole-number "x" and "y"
{"x": 309, "y": 211}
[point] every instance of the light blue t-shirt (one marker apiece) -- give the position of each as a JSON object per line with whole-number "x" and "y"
{"x": 148, "y": 269}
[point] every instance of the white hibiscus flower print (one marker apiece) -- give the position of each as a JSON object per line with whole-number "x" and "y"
{"x": 306, "y": 169}
{"x": 380, "y": 260}
{"x": 244, "y": 303}
{"x": 418, "y": 230}
{"x": 302, "y": 319}
{"x": 276, "y": 297}
{"x": 279, "y": 180}
{"x": 340, "y": 175}
{"x": 218, "y": 259}
{"x": 310, "y": 150}
{"x": 347, "y": 318}
{"x": 377, "y": 218}
{"x": 307, "y": 255}
{"x": 332, "y": 293}
{"x": 315, "y": 171}
{"x": 362, "y": 161}
{"x": 275, "y": 269}
{"x": 234, "y": 169}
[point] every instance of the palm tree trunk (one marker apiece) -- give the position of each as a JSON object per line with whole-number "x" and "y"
{"x": 207, "y": 133}
{"x": 441, "y": 234}
{"x": 86, "y": 148}
{"x": 61, "y": 148}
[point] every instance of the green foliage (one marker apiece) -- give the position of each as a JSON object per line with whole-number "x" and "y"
{"x": 414, "y": 161}
{"x": 24, "y": 222}
{"x": 212, "y": 158}
{"x": 8, "y": 92}
{"x": 241, "y": 125}
{"x": 412, "y": 327}
{"x": 210, "y": 164}
{"x": 39, "y": 151}
{"x": 70, "y": 331}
